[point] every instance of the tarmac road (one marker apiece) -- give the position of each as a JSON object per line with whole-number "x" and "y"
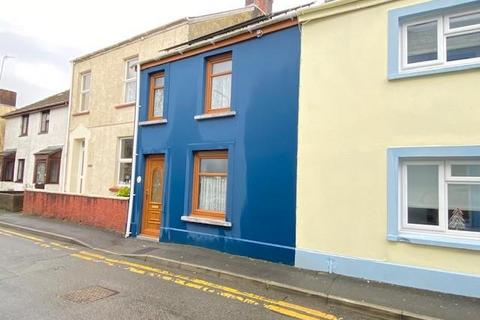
{"x": 43, "y": 279}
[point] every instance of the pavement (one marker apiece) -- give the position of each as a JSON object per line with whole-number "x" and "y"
{"x": 372, "y": 298}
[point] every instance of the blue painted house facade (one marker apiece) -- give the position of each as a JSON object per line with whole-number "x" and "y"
{"x": 217, "y": 143}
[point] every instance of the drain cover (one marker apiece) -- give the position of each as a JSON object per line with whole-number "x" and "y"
{"x": 89, "y": 294}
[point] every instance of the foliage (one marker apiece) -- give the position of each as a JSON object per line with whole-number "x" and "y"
{"x": 124, "y": 192}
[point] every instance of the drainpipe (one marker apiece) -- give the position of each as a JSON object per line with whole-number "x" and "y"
{"x": 134, "y": 160}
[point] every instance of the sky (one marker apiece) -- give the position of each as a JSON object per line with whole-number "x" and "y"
{"x": 44, "y": 36}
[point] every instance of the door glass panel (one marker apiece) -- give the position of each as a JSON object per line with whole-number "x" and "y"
{"x": 41, "y": 168}
{"x": 422, "y": 42}
{"x": 157, "y": 185}
{"x": 422, "y": 194}
{"x": 464, "y": 207}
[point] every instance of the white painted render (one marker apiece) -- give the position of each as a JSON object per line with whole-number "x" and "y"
{"x": 27, "y": 146}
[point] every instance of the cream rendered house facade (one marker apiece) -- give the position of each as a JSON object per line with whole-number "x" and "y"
{"x": 101, "y": 119}
{"x": 388, "y": 142}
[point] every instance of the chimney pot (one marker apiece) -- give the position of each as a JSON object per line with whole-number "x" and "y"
{"x": 264, "y": 5}
{"x": 8, "y": 97}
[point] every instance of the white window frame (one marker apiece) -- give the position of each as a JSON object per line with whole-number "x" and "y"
{"x": 84, "y": 91}
{"x": 445, "y": 179}
{"x": 443, "y": 32}
{"x": 127, "y": 80}
{"x": 404, "y": 45}
{"x": 123, "y": 160}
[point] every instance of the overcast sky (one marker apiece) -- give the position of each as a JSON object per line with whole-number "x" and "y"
{"x": 45, "y": 35}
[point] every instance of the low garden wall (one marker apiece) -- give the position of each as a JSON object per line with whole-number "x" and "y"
{"x": 11, "y": 201}
{"x": 104, "y": 212}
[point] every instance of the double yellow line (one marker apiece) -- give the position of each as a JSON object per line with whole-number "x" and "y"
{"x": 285, "y": 308}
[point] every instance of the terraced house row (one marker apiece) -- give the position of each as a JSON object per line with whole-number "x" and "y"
{"x": 339, "y": 137}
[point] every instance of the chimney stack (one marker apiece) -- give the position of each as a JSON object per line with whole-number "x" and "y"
{"x": 8, "y": 98}
{"x": 264, "y": 5}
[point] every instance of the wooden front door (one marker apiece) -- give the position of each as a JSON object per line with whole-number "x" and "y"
{"x": 153, "y": 196}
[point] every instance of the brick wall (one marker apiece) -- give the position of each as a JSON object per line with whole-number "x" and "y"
{"x": 107, "y": 213}
{"x": 8, "y": 98}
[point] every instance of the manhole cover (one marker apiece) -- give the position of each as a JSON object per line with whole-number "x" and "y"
{"x": 89, "y": 294}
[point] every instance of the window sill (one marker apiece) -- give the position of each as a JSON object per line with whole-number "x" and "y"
{"x": 213, "y": 222}
{"x": 44, "y": 132}
{"x": 81, "y": 113}
{"x": 436, "y": 240}
{"x": 440, "y": 70}
{"x": 152, "y": 122}
{"x": 125, "y": 105}
{"x": 23, "y": 135}
{"x": 215, "y": 115}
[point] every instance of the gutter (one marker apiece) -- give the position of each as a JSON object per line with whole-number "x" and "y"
{"x": 134, "y": 160}
{"x": 290, "y": 15}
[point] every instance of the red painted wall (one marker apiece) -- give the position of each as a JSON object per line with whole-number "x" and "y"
{"x": 105, "y": 213}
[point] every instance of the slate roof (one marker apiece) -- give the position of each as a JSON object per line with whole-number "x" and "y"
{"x": 55, "y": 101}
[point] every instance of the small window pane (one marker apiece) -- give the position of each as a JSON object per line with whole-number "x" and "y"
{"x": 127, "y": 149}
{"x": 213, "y": 193}
{"x": 86, "y": 81}
{"x": 221, "y": 67}
{"x": 41, "y": 172}
{"x": 213, "y": 165}
{"x": 464, "y": 207}
{"x": 465, "y": 20}
{"x": 130, "y": 91}
{"x": 422, "y": 194}
{"x": 85, "y": 101}
{"x": 125, "y": 173}
{"x": 158, "y": 103}
{"x": 466, "y": 170}
{"x": 221, "y": 91}
{"x": 54, "y": 170}
{"x": 462, "y": 47}
{"x": 159, "y": 82}
{"x": 131, "y": 72}
{"x": 422, "y": 42}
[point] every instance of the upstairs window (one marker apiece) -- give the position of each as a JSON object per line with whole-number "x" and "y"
{"x": 218, "y": 89}
{"x": 210, "y": 173}
{"x": 157, "y": 96}
{"x": 85, "y": 83}
{"x": 446, "y": 40}
{"x": 24, "y": 126}
{"x": 44, "y": 121}
{"x": 441, "y": 197}
{"x": 130, "y": 90}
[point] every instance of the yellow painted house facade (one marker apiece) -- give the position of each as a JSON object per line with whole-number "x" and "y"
{"x": 389, "y": 142}
{"x": 101, "y": 120}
